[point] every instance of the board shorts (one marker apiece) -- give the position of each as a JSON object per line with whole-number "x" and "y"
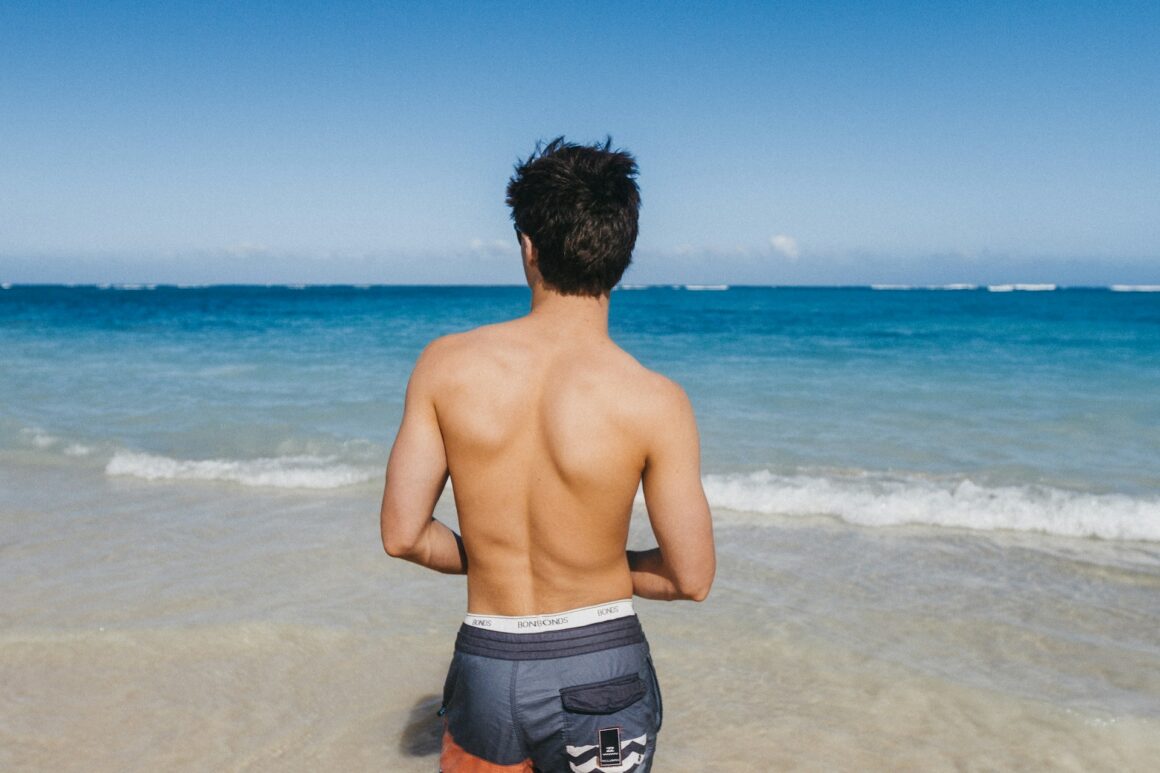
{"x": 571, "y": 692}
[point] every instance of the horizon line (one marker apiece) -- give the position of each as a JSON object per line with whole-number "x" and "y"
{"x": 694, "y": 286}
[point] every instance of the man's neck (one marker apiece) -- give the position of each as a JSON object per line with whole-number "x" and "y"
{"x": 573, "y": 313}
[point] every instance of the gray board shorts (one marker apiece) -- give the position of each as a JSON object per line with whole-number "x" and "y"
{"x": 574, "y": 699}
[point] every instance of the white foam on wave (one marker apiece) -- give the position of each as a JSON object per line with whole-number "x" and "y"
{"x": 1026, "y": 288}
{"x": 1135, "y": 288}
{"x": 307, "y": 472}
{"x": 38, "y": 438}
{"x": 869, "y": 500}
{"x": 43, "y": 441}
{"x": 707, "y": 287}
{"x": 952, "y": 286}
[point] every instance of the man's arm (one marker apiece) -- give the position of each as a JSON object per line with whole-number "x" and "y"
{"x": 684, "y": 563}
{"x": 416, "y": 474}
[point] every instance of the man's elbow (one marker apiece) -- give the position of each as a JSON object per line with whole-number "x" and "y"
{"x": 399, "y": 545}
{"x": 698, "y": 592}
{"x": 696, "y": 588}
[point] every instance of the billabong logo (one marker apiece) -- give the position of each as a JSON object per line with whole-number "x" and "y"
{"x": 630, "y": 753}
{"x": 609, "y": 745}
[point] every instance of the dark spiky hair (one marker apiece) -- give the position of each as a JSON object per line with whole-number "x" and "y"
{"x": 578, "y": 204}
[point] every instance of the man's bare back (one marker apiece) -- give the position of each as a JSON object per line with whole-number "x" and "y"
{"x": 547, "y": 426}
{"x": 547, "y": 429}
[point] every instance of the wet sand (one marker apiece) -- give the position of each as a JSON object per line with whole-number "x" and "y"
{"x": 151, "y": 626}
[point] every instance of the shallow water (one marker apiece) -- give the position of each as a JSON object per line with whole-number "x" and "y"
{"x": 194, "y": 626}
{"x": 1034, "y": 411}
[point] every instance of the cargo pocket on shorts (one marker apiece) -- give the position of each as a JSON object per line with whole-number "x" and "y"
{"x": 608, "y": 725}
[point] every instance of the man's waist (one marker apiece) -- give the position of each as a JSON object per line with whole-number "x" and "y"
{"x": 607, "y": 634}
{"x": 554, "y": 621}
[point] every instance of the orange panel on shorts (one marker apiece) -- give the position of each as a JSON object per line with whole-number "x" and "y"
{"x": 454, "y": 759}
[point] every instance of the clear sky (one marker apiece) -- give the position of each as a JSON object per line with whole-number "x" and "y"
{"x": 778, "y": 143}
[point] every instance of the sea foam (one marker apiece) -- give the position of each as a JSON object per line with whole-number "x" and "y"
{"x": 43, "y": 441}
{"x": 951, "y": 286}
{"x": 306, "y": 472}
{"x": 870, "y": 500}
{"x": 1028, "y": 288}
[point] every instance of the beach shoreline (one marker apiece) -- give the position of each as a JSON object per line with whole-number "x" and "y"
{"x": 936, "y": 516}
{"x": 224, "y": 627}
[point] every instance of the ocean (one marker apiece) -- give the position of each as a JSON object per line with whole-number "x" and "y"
{"x": 938, "y": 515}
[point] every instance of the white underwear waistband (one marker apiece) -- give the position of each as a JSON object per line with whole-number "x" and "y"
{"x": 556, "y": 621}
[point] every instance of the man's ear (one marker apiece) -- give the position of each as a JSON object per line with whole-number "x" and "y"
{"x": 530, "y": 259}
{"x": 528, "y": 250}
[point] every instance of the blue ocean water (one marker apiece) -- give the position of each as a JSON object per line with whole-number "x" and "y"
{"x": 970, "y": 408}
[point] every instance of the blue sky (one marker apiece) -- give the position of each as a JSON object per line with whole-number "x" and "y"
{"x": 778, "y": 143}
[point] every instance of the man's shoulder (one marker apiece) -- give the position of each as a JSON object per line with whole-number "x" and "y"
{"x": 665, "y": 394}
{"x": 645, "y": 378}
{"x": 455, "y": 344}
{"x": 651, "y": 394}
{"x": 444, "y": 347}
{"x": 453, "y": 352}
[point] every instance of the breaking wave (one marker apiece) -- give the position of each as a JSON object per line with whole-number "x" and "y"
{"x": 871, "y": 500}
{"x": 304, "y": 472}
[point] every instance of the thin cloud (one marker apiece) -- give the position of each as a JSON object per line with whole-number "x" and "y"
{"x": 785, "y": 246}
{"x": 490, "y": 247}
{"x": 247, "y": 250}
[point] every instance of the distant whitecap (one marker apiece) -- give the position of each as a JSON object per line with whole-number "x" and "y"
{"x": 1027, "y": 288}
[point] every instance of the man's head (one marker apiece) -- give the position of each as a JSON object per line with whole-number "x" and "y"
{"x": 578, "y": 204}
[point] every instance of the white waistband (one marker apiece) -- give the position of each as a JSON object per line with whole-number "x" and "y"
{"x": 556, "y": 621}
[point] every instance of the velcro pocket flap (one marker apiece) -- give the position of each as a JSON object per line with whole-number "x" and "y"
{"x": 603, "y": 697}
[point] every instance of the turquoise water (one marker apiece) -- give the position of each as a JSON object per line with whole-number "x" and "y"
{"x": 1034, "y": 411}
{"x": 905, "y": 489}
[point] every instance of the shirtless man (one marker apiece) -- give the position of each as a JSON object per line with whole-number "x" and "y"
{"x": 546, "y": 428}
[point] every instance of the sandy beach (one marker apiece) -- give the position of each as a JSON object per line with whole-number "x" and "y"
{"x": 268, "y": 631}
